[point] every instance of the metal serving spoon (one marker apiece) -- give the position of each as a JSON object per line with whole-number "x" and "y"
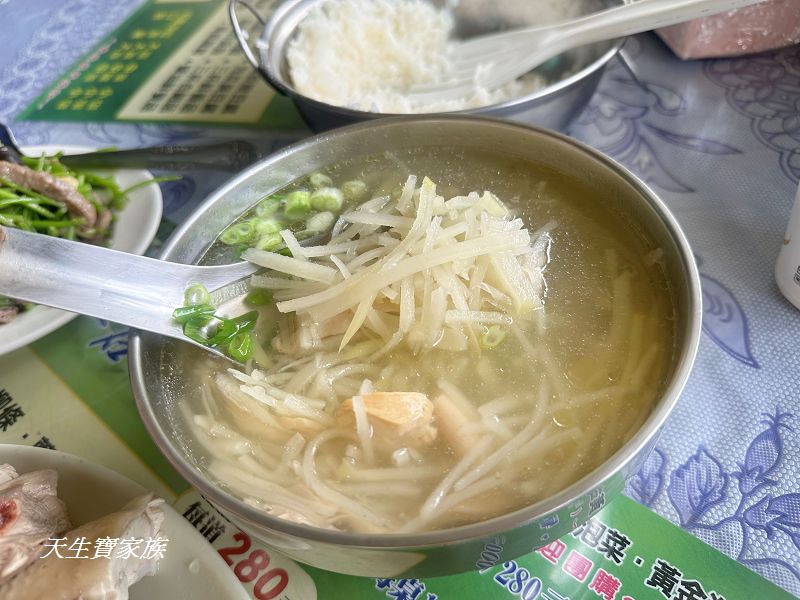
{"x": 223, "y": 156}
{"x": 125, "y": 288}
{"x": 493, "y": 60}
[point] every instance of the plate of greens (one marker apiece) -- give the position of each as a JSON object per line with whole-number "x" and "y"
{"x": 128, "y": 206}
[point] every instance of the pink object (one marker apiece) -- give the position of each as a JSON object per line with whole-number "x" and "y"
{"x": 756, "y": 28}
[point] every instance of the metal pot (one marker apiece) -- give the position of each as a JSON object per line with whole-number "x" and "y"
{"x": 160, "y": 387}
{"x": 573, "y": 80}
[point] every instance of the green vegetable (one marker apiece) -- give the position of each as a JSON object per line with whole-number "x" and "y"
{"x": 196, "y": 294}
{"x": 239, "y": 233}
{"x": 298, "y": 205}
{"x": 493, "y": 337}
{"x": 269, "y": 206}
{"x": 320, "y": 222}
{"x": 241, "y": 347}
{"x": 258, "y": 297}
{"x": 327, "y": 198}
{"x": 319, "y": 180}
{"x": 201, "y": 325}
{"x": 268, "y": 225}
{"x": 197, "y": 330}
{"x": 33, "y": 211}
{"x": 269, "y": 242}
{"x": 228, "y": 328}
{"x": 354, "y": 190}
{"x": 185, "y": 314}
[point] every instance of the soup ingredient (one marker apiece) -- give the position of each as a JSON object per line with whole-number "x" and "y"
{"x": 367, "y": 54}
{"x": 30, "y": 513}
{"x": 201, "y": 324}
{"x": 420, "y": 375}
{"x": 102, "y": 579}
{"x": 305, "y": 210}
{"x": 420, "y": 255}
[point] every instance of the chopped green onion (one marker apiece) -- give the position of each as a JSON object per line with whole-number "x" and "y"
{"x": 268, "y": 225}
{"x": 493, "y": 337}
{"x": 258, "y": 297}
{"x": 319, "y": 180}
{"x": 269, "y": 206}
{"x": 354, "y": 191}
{"x": 320, "y": 222}
{"x": 196, "y": 294}
{"x": 198, "y": 329}
{"x": 298, "y": 205}
{"x": 183, "y": 314}
{"x": 327, "y": 198}
{"x": 230, "y": 327}
{"x": 262, "y": 359}
{"x": 269, "y": 242}
{"x": 241, "y": 347}
{"x": 238, "y": 233}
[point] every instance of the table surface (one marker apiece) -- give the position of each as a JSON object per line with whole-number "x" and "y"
{"x": 718, "y": 140}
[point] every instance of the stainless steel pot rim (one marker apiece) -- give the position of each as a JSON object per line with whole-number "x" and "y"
{"x": 483, "y": 529}
{"x": 277, "y": 81}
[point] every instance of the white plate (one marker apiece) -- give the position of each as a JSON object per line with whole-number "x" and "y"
{"x": 91, "y": 491}
{"x": 134, "y": 230}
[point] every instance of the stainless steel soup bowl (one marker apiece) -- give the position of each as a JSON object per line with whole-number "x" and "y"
{"x": 572, "y": 79}
{"x": 160, "y": 386}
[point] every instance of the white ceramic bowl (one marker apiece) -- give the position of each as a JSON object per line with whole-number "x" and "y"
{"x": 134, "y": 230}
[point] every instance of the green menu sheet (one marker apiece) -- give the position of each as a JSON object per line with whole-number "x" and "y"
{"x": 171, "y": 61}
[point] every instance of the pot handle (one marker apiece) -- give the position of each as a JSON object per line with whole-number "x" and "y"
{"x": 242, "y": 35}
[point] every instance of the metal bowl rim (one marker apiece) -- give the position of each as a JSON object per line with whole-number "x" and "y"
{"x": 541, "y": 95}
{"x": 394, "y": 541}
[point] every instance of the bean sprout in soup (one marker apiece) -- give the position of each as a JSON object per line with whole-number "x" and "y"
{"x": 478, "y": 334}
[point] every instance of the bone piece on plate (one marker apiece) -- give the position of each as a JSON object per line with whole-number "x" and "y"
{"x": 30, "y": 513}
{"x": 57, "y": 578}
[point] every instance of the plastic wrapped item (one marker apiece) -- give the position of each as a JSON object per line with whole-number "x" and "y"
{"x": 756, "y": 28}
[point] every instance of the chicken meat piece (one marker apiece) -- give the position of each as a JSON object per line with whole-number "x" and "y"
{"x": 30, "y": 513}
{"x": 395, "y": 417}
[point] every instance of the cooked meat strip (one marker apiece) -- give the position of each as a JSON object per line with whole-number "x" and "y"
{"x": 55, "y": 188}
{"x": 7, "y": 314}
{"x": 103, "y": 220}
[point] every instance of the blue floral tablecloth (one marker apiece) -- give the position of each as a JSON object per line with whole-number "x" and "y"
{"x": 719, "y": 140}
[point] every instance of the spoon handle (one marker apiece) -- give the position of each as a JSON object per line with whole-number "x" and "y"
{"x": 124, "y": 288}
{"x": 518, "y": 51}
{"x": 637, "y": 17}
{"x": 223, "y": 156}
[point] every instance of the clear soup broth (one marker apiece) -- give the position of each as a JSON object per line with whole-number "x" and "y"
{"x": 527, "y": 408}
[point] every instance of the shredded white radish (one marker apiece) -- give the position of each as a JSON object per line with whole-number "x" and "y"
{"x": 441, "y": 265}
{"x": 290, "y": 265}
